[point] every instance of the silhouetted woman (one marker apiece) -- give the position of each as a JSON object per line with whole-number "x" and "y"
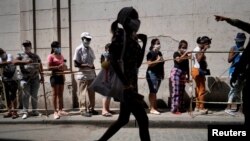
{"x": 132, "y": 60}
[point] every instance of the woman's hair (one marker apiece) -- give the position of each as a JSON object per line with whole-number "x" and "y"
{"x": 1, "y": 51}
{"x": 116, "y": 31}
{"x": 203, "y": 40}
{"x": 181, "y": 43}
{"x": 153, "y": 41}
{"x": 126, "y": 14}
{"x": 54, "y": 44}
{"x": 123, "y": 17}
{"x": 107, "y": 45}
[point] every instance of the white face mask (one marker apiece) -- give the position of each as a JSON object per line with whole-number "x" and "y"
{"x": 184, "y": 50}
{"x": 86, "y": 43}
{"x": 157, "y": 47}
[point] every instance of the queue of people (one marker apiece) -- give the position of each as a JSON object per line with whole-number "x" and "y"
{"x": 84, "y": 56}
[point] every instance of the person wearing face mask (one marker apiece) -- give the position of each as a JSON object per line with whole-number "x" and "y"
{"x": 242, "y": 68}
{"x": 199, "y": 70}
{"x": 234, "y": 56}
{"x": 179, "y": 76}
{"x": 56, "y": 64}
{"x": 84, "y": 60}
{"x": 105, "y": 63}
{"x": 30, "y": 66}
{"x": 8, "y": 75}
{"x": 127, "y": 39}
{"x": 154, "y": 73}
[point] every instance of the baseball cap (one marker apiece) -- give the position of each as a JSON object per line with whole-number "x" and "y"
{"x": 26, "y": 43}
{"x": 240, "y": 37}
{"x": 86, "y": 35}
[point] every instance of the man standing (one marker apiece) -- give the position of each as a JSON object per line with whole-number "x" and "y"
{"x": 30, "y": 65}
{"x": 234, "y": 56}
{"x": 242, "y": 69}
{"x": 10, "y": 83}
{"x": 84, "y": 60}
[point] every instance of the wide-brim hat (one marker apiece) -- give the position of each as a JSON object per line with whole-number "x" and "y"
{"x": 240, "y": 37}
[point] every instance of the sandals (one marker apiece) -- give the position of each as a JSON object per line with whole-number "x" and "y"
{"x": 107, "y": 114}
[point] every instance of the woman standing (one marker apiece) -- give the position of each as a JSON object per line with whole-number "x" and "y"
{"x": 179, "y": 75}
{"x": 199, "y": 70}
{"x": 105, "y": 63}
{"x": 155, "y": 73}
{"x": 56, "y": 64}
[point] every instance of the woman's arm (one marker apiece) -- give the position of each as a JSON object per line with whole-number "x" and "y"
{"x": 115, "y": 53}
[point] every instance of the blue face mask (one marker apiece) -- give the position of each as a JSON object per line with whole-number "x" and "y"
{"x": 239, "y": 44}
{"x": 57, "y": 50}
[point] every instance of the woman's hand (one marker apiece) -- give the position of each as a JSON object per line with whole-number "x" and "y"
{"x": 60, "y": 67}
{"x": 143, "y": 38}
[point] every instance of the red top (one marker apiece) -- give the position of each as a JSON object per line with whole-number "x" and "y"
{"x": 55, "y": 60}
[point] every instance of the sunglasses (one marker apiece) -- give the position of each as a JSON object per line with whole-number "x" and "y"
{"x": 87, "y": 39}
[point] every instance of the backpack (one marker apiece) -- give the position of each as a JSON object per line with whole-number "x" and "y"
{"x": 9, "y": 70}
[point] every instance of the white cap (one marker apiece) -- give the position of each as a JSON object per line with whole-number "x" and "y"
{"x": 86, "y": 35}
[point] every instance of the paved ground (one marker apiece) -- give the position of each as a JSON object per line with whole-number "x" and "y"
{"x": 69, "y": 132}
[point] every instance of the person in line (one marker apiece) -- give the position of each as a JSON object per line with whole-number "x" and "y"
{"x": 242, "y": 69}
{"x": 31, "y": 68}
{"x": 199, "y": 70}
{"x": 234, "y": 56}
{"x": 10, "y": 83}
{"x": 154, "y": 73}
{"x": 84, "y": 60}
{"x": 105, "y": 63}
{"x": 56, "y": 65}
{"x": 132, "y": 60}
{"x": 179, "y": 76}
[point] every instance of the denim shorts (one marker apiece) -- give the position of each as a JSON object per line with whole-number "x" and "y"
{"x": 154, "y": 82}
{"x": 57, "y": 80}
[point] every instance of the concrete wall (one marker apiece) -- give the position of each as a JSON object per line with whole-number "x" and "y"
{"x": 170, "y": 21}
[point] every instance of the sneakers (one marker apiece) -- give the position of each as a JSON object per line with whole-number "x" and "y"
{"x": 196, "y": 110}
{"x": 35, "y": 113}
{"x": 203, "y": 111}
{"x": 56, "y": 115}
{"x": 154, "y": 112}
{"x": 93, "y": 112}
{"x": 63, "y": 113}
{"x": 230, "y": 112}
{"x": 86, "y": 114}
{"x": 25, "y": 115}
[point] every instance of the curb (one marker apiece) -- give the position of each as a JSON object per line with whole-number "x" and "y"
{"x": 165, "y": 120}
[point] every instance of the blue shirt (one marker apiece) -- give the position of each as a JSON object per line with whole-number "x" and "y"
{"x": 236, "y": 60}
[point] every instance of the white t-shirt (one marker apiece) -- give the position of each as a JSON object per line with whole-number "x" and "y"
{"x": 85, "y": 55}
{"x": 195, "y": 62}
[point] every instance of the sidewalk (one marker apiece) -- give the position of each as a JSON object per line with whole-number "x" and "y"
{"x": 165, "y": 120}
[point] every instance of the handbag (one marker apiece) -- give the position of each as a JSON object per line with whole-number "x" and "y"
{"x": 107, "y": 83}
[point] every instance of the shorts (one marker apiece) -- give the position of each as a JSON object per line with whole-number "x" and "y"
{"x": 154, "y": 82}
{"x": 56, "y": 80}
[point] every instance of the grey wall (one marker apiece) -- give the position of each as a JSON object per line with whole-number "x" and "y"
{"x": 169, "y": 20}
